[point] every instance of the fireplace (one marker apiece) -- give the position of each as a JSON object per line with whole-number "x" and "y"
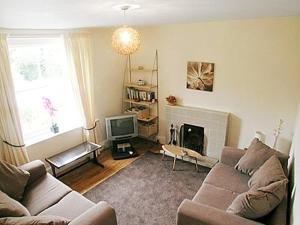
{"x": 213, "y": 125}
{"x": 192, "y": 137}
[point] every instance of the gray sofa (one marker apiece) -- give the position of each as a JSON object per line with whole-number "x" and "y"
{"x": 45, "y": 195}
{"x": 221, "y": 186}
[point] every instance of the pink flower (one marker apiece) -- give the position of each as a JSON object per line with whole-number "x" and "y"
{"x": 48, "y": 106}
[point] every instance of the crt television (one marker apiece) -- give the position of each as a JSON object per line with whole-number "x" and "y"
{"x": 121, "y": 127}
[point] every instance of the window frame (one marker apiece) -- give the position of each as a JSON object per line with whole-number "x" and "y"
{"x": 15, "y": 41}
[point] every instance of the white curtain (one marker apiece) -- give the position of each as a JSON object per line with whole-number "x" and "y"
{"x": 80, "y": 57}
{"x": 10, "y": 127}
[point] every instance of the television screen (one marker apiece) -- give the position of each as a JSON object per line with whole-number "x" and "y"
{"x": 122, "y": 126}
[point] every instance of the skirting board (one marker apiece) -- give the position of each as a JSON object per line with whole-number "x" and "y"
{"x": 207, "y": 161}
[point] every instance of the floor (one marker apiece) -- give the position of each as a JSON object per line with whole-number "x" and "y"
{"x": 90, "y": 175}
{"x": 148, "y": 191}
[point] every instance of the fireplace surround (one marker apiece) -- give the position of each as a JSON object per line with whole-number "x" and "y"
{"x": 215, "y": 125}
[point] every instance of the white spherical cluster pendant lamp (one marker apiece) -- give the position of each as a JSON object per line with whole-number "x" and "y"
{"x": 125, "y": 40}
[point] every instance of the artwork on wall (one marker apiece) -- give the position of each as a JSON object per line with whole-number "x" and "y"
{"x": 200, "y": 76}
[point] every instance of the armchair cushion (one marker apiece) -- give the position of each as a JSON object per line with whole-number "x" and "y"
{"x": 256, "y": 155}
{"x": 67, "y": 202}
{"x": 11, "y": 207}
{"x": 13, "y": 180}
{"x": 34, "y": 220}
{"x": 259, "y": 202}
{"x": 43, "y": 193}
{"x": 226, "y": 177}
{"x": 270, "y": 172}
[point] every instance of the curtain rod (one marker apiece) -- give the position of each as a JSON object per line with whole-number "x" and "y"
{"x": 33, "y": 35}
{"x": 20, "y": 32}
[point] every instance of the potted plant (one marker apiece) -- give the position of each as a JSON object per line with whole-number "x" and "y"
{"x": 51, "y": 111}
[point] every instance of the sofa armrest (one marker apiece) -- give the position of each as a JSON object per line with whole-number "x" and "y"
{"x": 230, "y": 156}
{"x": 194, "y": 213}
{"x": 100, "y": 214}
{"x": 36, "y": 169}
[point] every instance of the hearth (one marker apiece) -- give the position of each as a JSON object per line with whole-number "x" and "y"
{"x": 192, "y": 137}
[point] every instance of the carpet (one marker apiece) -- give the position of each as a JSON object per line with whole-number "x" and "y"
{"x": 148, "y": 192}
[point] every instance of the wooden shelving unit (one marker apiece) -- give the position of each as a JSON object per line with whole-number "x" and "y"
{"x": 141, "y": 87}
{"x": 144, "y": 103}
{"x": 147, "y": 118}
{"x": 142, "y": 99}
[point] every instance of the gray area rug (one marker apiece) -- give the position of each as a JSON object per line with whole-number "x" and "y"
{"x": 148, "y": 192}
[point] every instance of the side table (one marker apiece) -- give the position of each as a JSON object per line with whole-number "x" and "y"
{"x": 71, "y": 155}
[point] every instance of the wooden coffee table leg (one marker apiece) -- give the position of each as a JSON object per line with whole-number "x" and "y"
{"x": 96, "y": 161}
{"x": 163, "y": 156}
{"x": 174, "y": 162}
{"x": 53, "y": 170}
{"x": 196, "y": 164}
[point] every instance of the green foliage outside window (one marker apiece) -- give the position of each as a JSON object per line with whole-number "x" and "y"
{"x": 29, "y": 71}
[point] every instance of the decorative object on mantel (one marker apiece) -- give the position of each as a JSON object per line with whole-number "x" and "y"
{"x": 200, "y": 76}
{"x": 277, "y": 132}
{"x": 171, "y": 100}
{"x": 126, "y": 40}
{"x": 141, "y": 82}
{"x": 51, "y": 110}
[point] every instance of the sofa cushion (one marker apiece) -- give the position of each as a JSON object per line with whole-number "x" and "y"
{"x": 34, "y": 220}
{"x": 214, "y": 196}
{"x": 270, "y": 172}
{"x": 11, "y": 207}
{"x": 75, "y": 204}
{"x": 13, "y": 180}
{"x": 43, "y": 193}
{"x": 259, "y": 202}
{"x": 226, "y": 177}
{"x": 256, "y": 155}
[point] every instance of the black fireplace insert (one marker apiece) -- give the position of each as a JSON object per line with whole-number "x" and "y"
{"x": 192, "y": 137}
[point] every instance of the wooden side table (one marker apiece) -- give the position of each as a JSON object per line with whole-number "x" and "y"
{"x": 180, "y": 151}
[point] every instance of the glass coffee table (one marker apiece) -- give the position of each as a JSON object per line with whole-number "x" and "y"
{"x": 71, "y": 155}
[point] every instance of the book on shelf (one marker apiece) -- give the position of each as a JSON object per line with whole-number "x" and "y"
{"x": 135, "y": 94}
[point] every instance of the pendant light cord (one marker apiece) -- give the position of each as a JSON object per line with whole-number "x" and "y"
{"x": 124, "y": 16}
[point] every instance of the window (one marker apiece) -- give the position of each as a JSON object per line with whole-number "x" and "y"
{"x": 45, "y": 96}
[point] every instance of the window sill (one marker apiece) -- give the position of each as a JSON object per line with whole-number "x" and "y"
{"x": 48, "y": 135}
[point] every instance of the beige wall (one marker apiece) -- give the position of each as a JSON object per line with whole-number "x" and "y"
{"x": 108, "y": 93}
{"x": 256, "y": 75}
{"x": 257, "y": 71}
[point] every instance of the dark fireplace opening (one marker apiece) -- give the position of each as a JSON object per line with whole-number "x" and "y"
{"x": 192, "y": 137}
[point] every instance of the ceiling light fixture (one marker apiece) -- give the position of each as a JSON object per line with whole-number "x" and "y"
{"x": 126, "y": 40}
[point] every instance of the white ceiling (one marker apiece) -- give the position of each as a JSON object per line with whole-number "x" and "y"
{"x": 54, "y": 14}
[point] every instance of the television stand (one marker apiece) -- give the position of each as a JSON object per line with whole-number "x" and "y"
{"x": 123, "y": 149}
